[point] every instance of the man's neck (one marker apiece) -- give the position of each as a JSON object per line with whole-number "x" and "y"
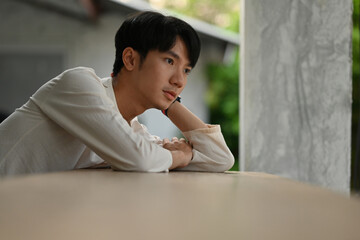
{"x": 127, "y": 102}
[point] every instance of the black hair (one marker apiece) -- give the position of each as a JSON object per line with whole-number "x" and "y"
{"x": 149, "y": 30}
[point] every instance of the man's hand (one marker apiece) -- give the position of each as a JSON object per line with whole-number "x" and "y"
{"x": 181, "y": 151}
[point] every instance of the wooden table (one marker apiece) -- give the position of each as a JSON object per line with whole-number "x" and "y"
{"x": 104, "y": 204}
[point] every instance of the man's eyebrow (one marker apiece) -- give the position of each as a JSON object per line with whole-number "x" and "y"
{"x": 175, "y": 55}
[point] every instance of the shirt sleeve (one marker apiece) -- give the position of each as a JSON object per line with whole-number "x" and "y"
{"x": 210, "y": 152}
{"x": 77, "y": 101}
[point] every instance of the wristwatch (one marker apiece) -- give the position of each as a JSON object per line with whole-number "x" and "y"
{"x": 166, "y": 110}
{"x": 177, "y": 99}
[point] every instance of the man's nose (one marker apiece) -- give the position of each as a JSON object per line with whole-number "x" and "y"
{"x": 178, "y": 79}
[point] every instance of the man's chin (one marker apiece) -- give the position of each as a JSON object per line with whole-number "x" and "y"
{"x": 163, "y": 107}
{"x": 166, "y": 106}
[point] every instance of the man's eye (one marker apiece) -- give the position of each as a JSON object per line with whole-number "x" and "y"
{"x": 170, "y": 61}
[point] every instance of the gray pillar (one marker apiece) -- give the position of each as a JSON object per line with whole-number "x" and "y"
{"x": 296, "y": 90}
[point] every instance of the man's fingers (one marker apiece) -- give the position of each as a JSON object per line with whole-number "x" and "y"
{"x": 181, "y": 140}
{"x": 181, "y": 144}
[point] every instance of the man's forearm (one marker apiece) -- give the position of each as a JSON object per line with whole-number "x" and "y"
{"x": 183, "y": 118}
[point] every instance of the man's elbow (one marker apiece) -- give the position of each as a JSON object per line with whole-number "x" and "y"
{"x": 227, "y": 163}
{"x": 222, "y": 162}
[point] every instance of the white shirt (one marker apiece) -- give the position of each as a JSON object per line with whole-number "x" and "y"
{"x": 73, "y": 122}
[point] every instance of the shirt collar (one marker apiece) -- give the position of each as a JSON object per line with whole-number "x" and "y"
{"x": 107, "y": 83}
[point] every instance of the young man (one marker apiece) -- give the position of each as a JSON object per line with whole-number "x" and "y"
{"x": 78, "y": 120}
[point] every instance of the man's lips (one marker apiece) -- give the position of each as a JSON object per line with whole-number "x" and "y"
{"x": 171, "y": 95}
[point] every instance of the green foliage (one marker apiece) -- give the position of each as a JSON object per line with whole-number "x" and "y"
{"x": 223, "y": 101}
{"x": 223, "y": 13}
{"x": 355, "y": 183}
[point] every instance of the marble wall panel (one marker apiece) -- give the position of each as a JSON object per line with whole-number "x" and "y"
{"x": 296, "y": 89}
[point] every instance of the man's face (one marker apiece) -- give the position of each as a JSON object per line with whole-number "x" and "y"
{"x": 163, "y": 75}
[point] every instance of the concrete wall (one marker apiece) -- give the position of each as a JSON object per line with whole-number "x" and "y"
{"x": 296, "y": 89}
{"x": 25, "y": 27}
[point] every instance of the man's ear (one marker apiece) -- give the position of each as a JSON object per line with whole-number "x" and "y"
{"x": 130, "y": 58}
